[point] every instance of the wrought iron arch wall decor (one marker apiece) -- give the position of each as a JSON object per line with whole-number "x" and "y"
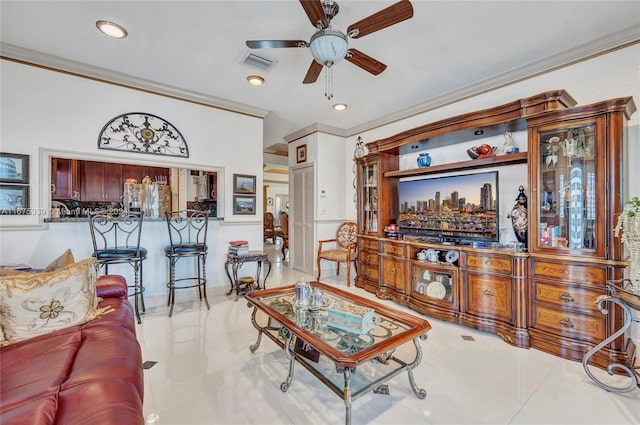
{"x": 144, "y": 133}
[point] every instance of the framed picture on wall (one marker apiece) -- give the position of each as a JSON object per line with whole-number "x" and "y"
{"x": 301, "y": 154}
{"x": 14, "y": 168}
{"x": 244, "y": 184}
{"x": 14, "y": 199}
{"x": 244, "y": 205}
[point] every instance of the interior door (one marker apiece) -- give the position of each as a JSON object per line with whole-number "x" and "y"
{"x": 301, "y": 224}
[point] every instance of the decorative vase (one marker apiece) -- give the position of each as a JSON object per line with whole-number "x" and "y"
{"x": 424, "y": 160}
{"x": 520, "y": 217}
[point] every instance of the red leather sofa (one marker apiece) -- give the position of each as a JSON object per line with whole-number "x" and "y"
{"x": 88, "y": 374}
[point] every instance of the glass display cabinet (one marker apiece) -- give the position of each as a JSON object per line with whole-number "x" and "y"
{"x": 370, "y": 197}
{"x": 433, "y": 284}
{"x": 576, "y": 159}
{"x": 569, "y": 207}
{"x": 374, "y": 215}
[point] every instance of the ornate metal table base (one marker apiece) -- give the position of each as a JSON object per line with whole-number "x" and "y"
{"x": 346, "y": 371}
{"x": 626, "y": 300}
{"x": 237, "y": 261}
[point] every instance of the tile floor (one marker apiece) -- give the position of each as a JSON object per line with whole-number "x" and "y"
{"x": 205, "y": 374}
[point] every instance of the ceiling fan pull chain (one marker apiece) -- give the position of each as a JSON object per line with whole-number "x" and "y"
{"x": 328, "y": 82}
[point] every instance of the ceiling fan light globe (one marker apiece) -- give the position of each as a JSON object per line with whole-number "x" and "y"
{"x": 328, "y": 47}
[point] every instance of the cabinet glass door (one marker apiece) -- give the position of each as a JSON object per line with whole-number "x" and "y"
{"x": 570, "y": 189}
{"x": 370, "y": 197}
{"x": 433, "y": 285}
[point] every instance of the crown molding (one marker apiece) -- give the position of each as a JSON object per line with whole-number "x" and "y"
{"x": 624, "y": 38}
{"x": 619, "y": 40}
{"x": 315, "y": 128}
{"x": 57, "y": 63}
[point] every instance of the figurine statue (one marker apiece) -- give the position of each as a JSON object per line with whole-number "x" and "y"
{"x": 509, "y": 145}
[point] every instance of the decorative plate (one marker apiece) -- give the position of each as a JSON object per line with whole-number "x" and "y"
{"x": 436, "y": 290}
{"x": 451, "y": 257}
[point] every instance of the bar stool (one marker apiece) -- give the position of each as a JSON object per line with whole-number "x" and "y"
{"x": 116, "y": 240}
{"x": 187, "y": 239}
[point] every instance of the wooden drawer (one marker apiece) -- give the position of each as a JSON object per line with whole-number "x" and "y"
{"x": 568, "y": 323}
{"x": 490, "y": 296}
{"x": 489, "y": 263}
{"x": 393, "y": 249}
{"x": 568, "y": 271}
{"x": 369, "y": 244}
{"x": 567, "y": 295}
{"x": 368, "y": 271}
{"x": 370, "y": 258}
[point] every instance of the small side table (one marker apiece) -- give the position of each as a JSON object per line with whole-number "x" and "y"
{"x": 620, "y": 294}
{"x": 236, "y": 261}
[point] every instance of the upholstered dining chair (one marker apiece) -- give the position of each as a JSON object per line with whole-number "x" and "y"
{"x": 116, "y": 240}
{"x": 268, "y": 227}
{"x": 342, "y": 249}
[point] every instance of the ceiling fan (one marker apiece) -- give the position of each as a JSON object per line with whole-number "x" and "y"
{"x": 329, "y": 46}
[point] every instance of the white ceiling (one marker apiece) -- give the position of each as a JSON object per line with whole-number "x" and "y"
{"x": 448, "y": 50}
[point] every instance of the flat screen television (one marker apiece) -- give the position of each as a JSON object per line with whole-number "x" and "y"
{"x": 459, "y": 208}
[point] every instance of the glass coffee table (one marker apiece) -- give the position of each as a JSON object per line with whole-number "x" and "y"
{"x": 318, "y": 342}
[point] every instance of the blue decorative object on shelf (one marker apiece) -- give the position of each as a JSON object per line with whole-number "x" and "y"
{"x": 424, "y": 160}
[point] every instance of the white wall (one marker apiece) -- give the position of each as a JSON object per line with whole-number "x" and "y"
{"x": 46, "y": 111}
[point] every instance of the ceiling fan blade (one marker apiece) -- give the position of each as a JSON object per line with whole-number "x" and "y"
{"x": 393, "y": 14}
{"x": 270, "y": 44}
{"x": 312, "y": 73}
{"x": 365, "y": 62}
{"x": 315, "y": 12}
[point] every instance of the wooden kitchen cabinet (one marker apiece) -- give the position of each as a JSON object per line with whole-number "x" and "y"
{"x": 139, "y": 172}
{"x": 65, "y": 179}
{"x": 102, "y": 181}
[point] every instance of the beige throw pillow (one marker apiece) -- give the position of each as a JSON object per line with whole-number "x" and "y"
{"x": 8, "y": 271}
{"x": 63, "y": 260}
{"x": 33, "y": 304}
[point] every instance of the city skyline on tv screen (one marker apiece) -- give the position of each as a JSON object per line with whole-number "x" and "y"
{"x": 459, "y": 206}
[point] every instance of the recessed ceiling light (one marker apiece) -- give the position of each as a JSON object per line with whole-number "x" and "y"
{"x": 255, "y": 80}
{"x": 111, "y": 29}
{"x": 340, "y": 106}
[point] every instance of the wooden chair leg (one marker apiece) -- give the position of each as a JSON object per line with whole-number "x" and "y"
{"x": 348, "y": 265}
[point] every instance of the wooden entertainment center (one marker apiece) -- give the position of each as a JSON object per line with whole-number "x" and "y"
{"x": 544, "y": 296}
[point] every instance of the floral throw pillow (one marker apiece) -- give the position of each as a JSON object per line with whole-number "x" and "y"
{"x": 33, "y": 304}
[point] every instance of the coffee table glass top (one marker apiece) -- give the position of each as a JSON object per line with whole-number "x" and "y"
{"x": 391, "y": 327}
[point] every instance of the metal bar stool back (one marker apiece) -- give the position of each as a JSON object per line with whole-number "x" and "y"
{"x": 116, "y": 240}
{"x": 187, "y": 239}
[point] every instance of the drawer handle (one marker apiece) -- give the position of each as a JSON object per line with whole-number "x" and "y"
{"x": 367, "y": 258}
{"x": 393, "y": 271}
{"x": 567, "y": 272}
{"x": 488, "y": 293}
{"x": 566, "y": 323}
{"x": 487, "y": 263}
{"x": 567, "y": 298}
